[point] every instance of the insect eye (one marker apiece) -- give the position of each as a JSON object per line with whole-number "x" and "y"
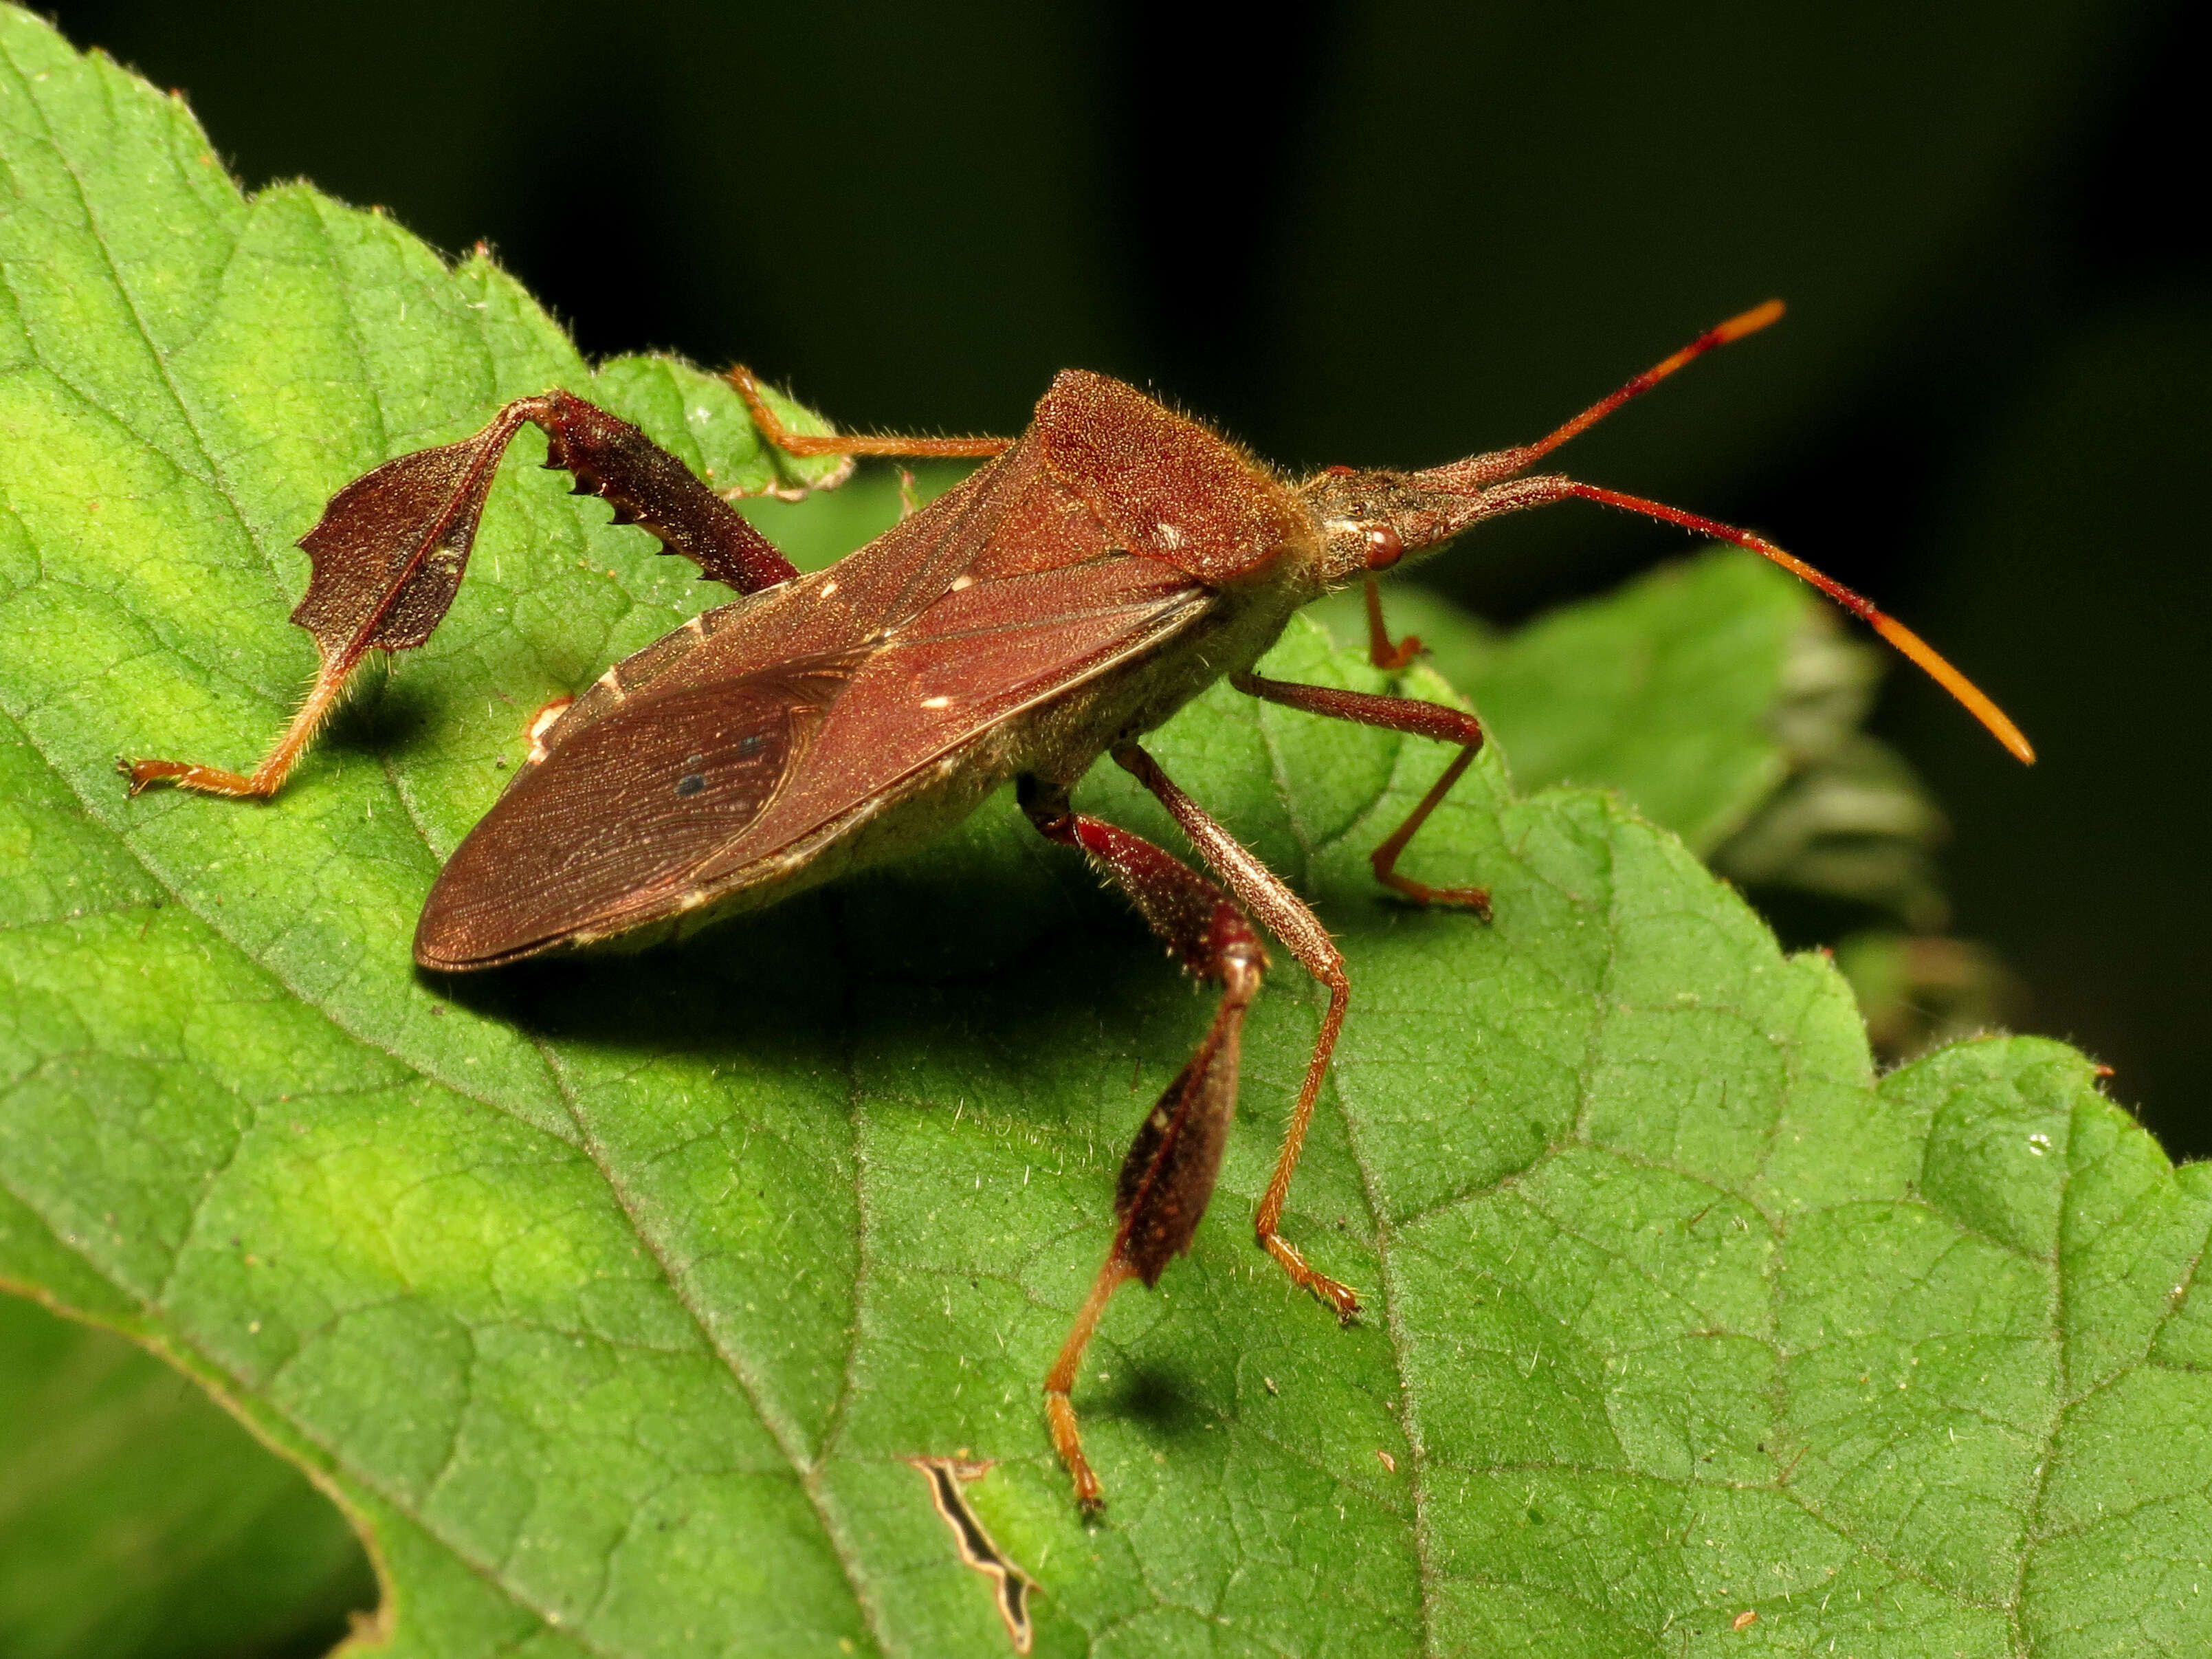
{"x": 1385, "y": 547}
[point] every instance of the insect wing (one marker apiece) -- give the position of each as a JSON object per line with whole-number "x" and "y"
{"x": 977, "y": 657}
{"x": 610, "y": 838}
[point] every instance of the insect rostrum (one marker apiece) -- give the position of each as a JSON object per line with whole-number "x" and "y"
{"x": 1093, "y": 576}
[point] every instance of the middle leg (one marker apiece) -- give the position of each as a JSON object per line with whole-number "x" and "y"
{"x": 771, "y": 427}
{"x": 1286, "y": 915}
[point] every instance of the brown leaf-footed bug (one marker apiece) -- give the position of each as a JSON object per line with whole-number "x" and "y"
{"x": 1097, "y": 573}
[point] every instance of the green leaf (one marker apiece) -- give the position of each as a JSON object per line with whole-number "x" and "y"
{"x": 611, "y": 1297}
{"x": 1666, "y": 691}
{"x": 140, "y": 1519}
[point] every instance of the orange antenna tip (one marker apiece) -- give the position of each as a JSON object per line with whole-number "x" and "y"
{"x": 1977, "y": 701}
{"x": 1748, "y": 322}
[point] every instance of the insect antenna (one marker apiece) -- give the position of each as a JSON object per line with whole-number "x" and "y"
{"x": 1977, "y": 701}
{"x": 1474, "y": 475}
{"x": 1502, "y": 463}
{"x": 1748, "y": 322}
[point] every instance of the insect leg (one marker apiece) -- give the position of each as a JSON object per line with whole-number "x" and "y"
{"x": 1284, "y": 915}
{"x": 390, "y": 549}
{"x": 651, "y": 489}
{"x": 1422, "y": 720}
{"x": 1380, "y": 650}
{"x": 771, "y": 427}
{"x": 1167, "y": 1180}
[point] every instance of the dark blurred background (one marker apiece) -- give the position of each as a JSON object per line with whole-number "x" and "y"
{"x": 1396, "y": 233}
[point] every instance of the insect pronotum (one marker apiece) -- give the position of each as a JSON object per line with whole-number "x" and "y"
{"x": 1074, "y": 593}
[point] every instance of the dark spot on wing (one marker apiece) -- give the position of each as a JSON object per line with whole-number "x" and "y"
{"x": 595, "y": 839}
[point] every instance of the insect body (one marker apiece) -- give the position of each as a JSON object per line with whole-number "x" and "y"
{"x": 1008, "y": 630}
{"x": 1093, "y": 576}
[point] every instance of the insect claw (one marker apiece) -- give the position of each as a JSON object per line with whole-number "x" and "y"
{"x": 1340, "y": 1299}
{"x": 1422, "y": 896}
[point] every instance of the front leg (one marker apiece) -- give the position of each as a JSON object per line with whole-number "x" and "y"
{"x": 1381, "y": 650}
{"x": 391, "y": 547}
{"x": 1410, "y": 714}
